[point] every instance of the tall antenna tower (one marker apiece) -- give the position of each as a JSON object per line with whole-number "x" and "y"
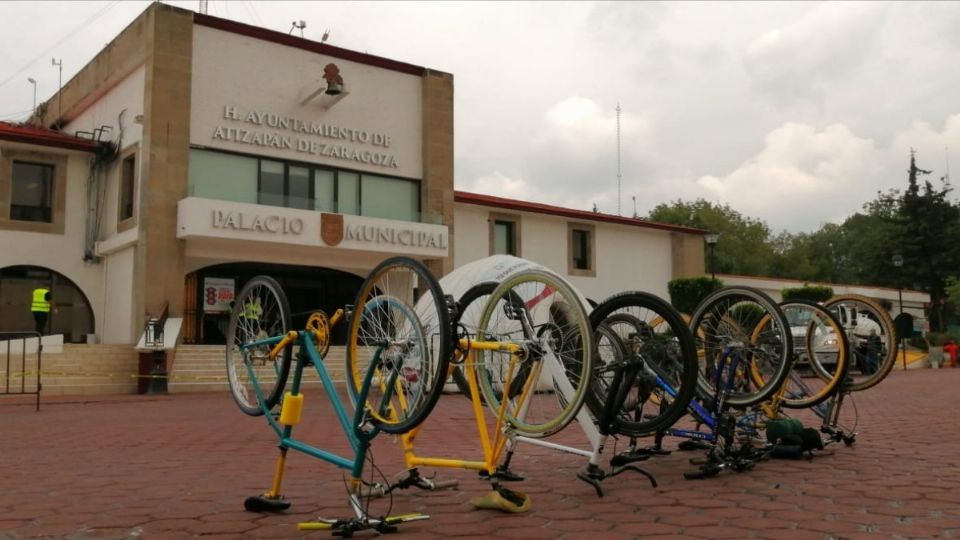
{"x": 203, "y": 7}
{"x": 619, "y": 175}
{"x": 946, "y": 159}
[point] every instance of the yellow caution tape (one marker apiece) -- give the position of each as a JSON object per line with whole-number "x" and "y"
{"x": 45, "y": 373}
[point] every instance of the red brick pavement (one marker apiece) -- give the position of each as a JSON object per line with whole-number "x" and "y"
{"x": 180, "y": 466}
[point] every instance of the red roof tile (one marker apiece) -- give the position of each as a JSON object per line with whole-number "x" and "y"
{"x": 526, "y": 206}
{"x": 44, "y": 137}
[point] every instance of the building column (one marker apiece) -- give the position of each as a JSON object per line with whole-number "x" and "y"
{"x": 436, "y": 190}
{"x": 159, "y": 264}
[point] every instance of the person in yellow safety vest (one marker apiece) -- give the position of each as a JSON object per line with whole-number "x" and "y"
{"x": 252, "y": 309}
{"x": 41, "y": 308}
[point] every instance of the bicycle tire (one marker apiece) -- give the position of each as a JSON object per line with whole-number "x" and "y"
{"x": 542, "y": 311}
{"x": 748, "y": 322}
{"x": 274, "y": 319}
{"x": 400, "y": 316}
{"x": 888, "y": 338}
{"x": 799, "y": 392}
{"x": 469, "y": 308}
{"x": 646, "y": 325}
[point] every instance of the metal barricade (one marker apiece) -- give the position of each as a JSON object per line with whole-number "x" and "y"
{"x": 20, "y": 360}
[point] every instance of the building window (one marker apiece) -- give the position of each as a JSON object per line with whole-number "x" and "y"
{"x": 224, "y": 177}
{"x": 299, "y": 188}
{"x": 31, "y": 193}
{"x": 271, "y": 189}
{"x": 229, "y": 177}
{"x": 582, "y": 259}
{"x": 128, "y": 182}
{"x": 389, "y": 198}
{"x": 348, "y": 193}
{"x": 504, "y": 235}
{"x": 503, "y": 238}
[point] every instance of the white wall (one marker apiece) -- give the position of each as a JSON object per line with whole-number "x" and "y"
{"x": 256, "y": 76}
{"x": 62, "y": 253}
{"x": 126, "y": 97}
{"x": 471, "y": 236}
{"x": 627, "y": 257}
{"x": 118, "y": 320}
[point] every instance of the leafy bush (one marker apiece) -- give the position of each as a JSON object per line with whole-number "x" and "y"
{"x": 937, "y": 339}
{"x": 811, "y": 293}
{"x": 687, "y": 293}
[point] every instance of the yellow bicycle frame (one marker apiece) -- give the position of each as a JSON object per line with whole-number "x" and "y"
{"x": 492, "y": 448}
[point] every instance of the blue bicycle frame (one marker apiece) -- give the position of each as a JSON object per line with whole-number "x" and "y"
{"x": 358, "y": 431}
{"x": 729, "y": 361}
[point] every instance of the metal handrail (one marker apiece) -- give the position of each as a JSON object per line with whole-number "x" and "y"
{"x": 153, "y": 328}
{"x": 10, "y": 337}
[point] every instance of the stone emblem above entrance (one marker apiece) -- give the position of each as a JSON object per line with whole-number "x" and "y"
{"x": 331, "y": 229}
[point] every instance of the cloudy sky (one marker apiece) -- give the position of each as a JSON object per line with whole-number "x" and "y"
{"x": 793, "y": 113}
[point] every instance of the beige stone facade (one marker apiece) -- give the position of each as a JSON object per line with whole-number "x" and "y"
{"x": 160, "y": 42}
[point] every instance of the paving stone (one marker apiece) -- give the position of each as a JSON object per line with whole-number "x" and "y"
{"x": 180, "y": 467}
{"x": 716, "y": 532}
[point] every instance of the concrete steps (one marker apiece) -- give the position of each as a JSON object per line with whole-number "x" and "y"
{"x": 202, "y": 368}
{"x": 73, "y": 369}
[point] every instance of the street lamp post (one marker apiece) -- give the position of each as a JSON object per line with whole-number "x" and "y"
{"x": 897, "y": 261}
{"x": 711, "y": 240}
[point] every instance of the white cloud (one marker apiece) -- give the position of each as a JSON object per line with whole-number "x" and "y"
{"x": 500, "y": 185}
{"x": 825, "y": 47}
{"x": 579, "y": 129}
{"x": 801, "y": 178}
{"x": 791, "y": 112}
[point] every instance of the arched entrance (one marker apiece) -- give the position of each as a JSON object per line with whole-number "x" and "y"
{"x": 307, "y": 288}
{"x": 73, "y": 316}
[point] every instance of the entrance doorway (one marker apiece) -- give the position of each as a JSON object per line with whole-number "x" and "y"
{"x": 71, "y": 314}
{"x": 307, "y": 288}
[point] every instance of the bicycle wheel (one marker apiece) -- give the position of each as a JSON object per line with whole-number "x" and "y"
{"x": 469, "y": 308}
{"x": 745, "y": 324}
{"x": 819, "y": 367}
{"x": 400, "y": 322}
{"x": 260, "y": 312}
{"x": 546, "y": 384}
{"x": 637, "y": 329}
{"x": 859, "y": 315}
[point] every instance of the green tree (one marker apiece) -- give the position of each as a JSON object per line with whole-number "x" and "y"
{"x": 929, "y": 239}
{"x": 744, "y": 246}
